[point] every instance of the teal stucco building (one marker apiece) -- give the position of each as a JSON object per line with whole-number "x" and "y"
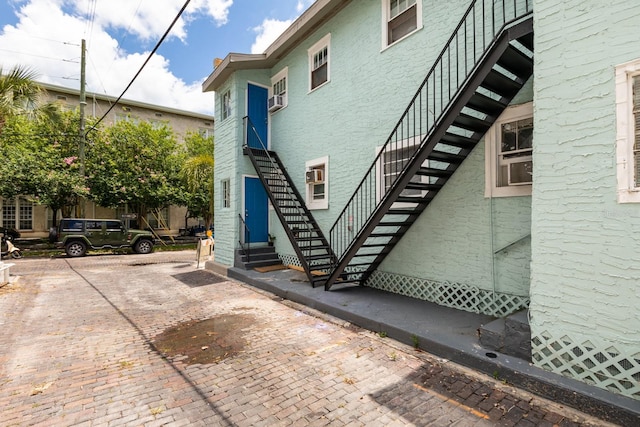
{"x": 478, "y": 154}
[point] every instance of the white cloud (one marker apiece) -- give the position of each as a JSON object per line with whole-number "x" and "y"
{"x": 47, "y": 39}
{"x": 268, "y": 32}
{"x": 270, "y": 29}
{"x": 150, "y": 19}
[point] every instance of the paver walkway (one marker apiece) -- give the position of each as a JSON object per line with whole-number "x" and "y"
{"x": 78, "y": 347}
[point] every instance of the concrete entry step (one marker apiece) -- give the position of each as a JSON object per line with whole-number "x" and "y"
{"x": 260, "y": 256}
{"x": 510, "y": 335}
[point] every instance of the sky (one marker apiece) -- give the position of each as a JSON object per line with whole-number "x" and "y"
{"x": 45, "y": 36}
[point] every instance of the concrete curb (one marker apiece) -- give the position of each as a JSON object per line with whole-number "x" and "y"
{"x": 394, "y": 319}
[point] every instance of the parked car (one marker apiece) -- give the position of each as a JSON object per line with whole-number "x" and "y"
{"x": 10, "y": 233}
{"x": 77, "y": 235}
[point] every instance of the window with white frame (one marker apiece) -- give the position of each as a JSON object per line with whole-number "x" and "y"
{"x": 400, "y": 18}
{"x": 627, "y": 80}
{"x": 226, "y": 104}
{"x": 509, "y": 153}
{"x": 391, "y": 164}
{"x": 317, "y": 183}
{"x": 17, "y": 213}
{"x": 278, "y": 90}
{"x": 226, "y": 193}
{"x": 319, "y": 64}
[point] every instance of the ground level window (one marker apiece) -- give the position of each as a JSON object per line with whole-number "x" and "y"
{"x": 17, "y": 213}
{"x": 515, "y": 161}
{"x": 391, "y": 164}
{"x": 317, "y": 183}
{"x": 158, "y": 218}
{"x": 509, "y": 153}
{"x": 226, "y": 193}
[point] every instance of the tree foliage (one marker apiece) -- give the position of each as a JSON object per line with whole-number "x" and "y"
{"x": 39, "y": 160}
{"x": 197, "y": 173}
{"x": 137, "y": 164}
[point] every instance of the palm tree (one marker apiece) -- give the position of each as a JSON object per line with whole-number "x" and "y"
{"x": 19, "y": 93}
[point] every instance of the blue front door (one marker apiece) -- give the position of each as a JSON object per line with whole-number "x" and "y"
{"x": 256, "y": 214}
{"x": 257, "y": 112}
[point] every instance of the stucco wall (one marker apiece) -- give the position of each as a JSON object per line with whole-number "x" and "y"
{"x": 231, "y": 164}
{"x": 585, "y": 246}
{"x": 354, "y": 113}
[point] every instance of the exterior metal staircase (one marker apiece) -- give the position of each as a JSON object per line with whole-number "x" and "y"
{"x": 487, "y": 60}
{"x": 306, "y": 237}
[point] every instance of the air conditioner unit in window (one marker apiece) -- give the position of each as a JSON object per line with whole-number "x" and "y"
{"x": 275, "y": 103}
{"x": 314, "y": 176}
{"x": 521, "y": 172}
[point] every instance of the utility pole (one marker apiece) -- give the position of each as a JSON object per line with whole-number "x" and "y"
{"x": 81, "y": 140}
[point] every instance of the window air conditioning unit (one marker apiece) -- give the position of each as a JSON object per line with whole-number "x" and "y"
{"x": 314, "y": 176}
{"x": 520, "y": 172}
{"x": 275, "y": 103}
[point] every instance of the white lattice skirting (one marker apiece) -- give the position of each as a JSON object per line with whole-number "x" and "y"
{"x": 450, "y": 294}
{"x": 289, "y": 260}
{"x": 599, "y": 365}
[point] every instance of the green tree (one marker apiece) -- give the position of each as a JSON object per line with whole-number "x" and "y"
{"x": 197, "y": 172}
{"x": 136, "y": 164}
{"x": 39, "y": 160}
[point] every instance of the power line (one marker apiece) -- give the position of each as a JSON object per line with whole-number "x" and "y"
{"x": 166, "y": 33}
{"x": 40, "y": 56}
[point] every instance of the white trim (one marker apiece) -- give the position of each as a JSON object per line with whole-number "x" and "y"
{"x": 246, "y": 107}
{"x": 225, "y": 182}
{"x": 224, "y": 113}
{"x": 386, "y": 9}
{"x": 317, "y": 204}
{"x": 319, "y": 45}
{"x": 626, "y": 190}
{"x": 394, "y": 146}
{"x": 16, "y": 220}
{"x": 284, "y": 73}
{"x": 492, "y": 137}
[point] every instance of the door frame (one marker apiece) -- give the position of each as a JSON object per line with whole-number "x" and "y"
{"x": 246, "y": 106}
{"x": 244, "y": 208}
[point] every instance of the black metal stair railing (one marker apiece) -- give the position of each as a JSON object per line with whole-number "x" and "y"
{"x": 402, "y": 177}
{"x": 308, "y": 241}
{"x": 244, "y": 234}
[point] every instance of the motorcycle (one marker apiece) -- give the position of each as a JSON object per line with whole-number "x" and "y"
{"x": 11, "y": 249}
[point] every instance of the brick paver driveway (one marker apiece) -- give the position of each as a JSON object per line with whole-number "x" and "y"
{"x": 79, "y": 347}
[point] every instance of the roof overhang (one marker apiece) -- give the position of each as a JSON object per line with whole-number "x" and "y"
{"x": 112, "y": 99}
{"x": 317, "y": 14}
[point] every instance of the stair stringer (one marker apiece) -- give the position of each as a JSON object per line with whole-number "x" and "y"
{"x": 476, "y": 77}
{"x": 314, "y": 265}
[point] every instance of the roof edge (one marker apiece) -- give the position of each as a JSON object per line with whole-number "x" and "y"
{"x": 317, "y": 14}
{"x": 110, "y": 98}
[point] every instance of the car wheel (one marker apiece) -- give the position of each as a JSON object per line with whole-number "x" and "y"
{"x": 76, "y": 249}
{"x": 143, "y": 246}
